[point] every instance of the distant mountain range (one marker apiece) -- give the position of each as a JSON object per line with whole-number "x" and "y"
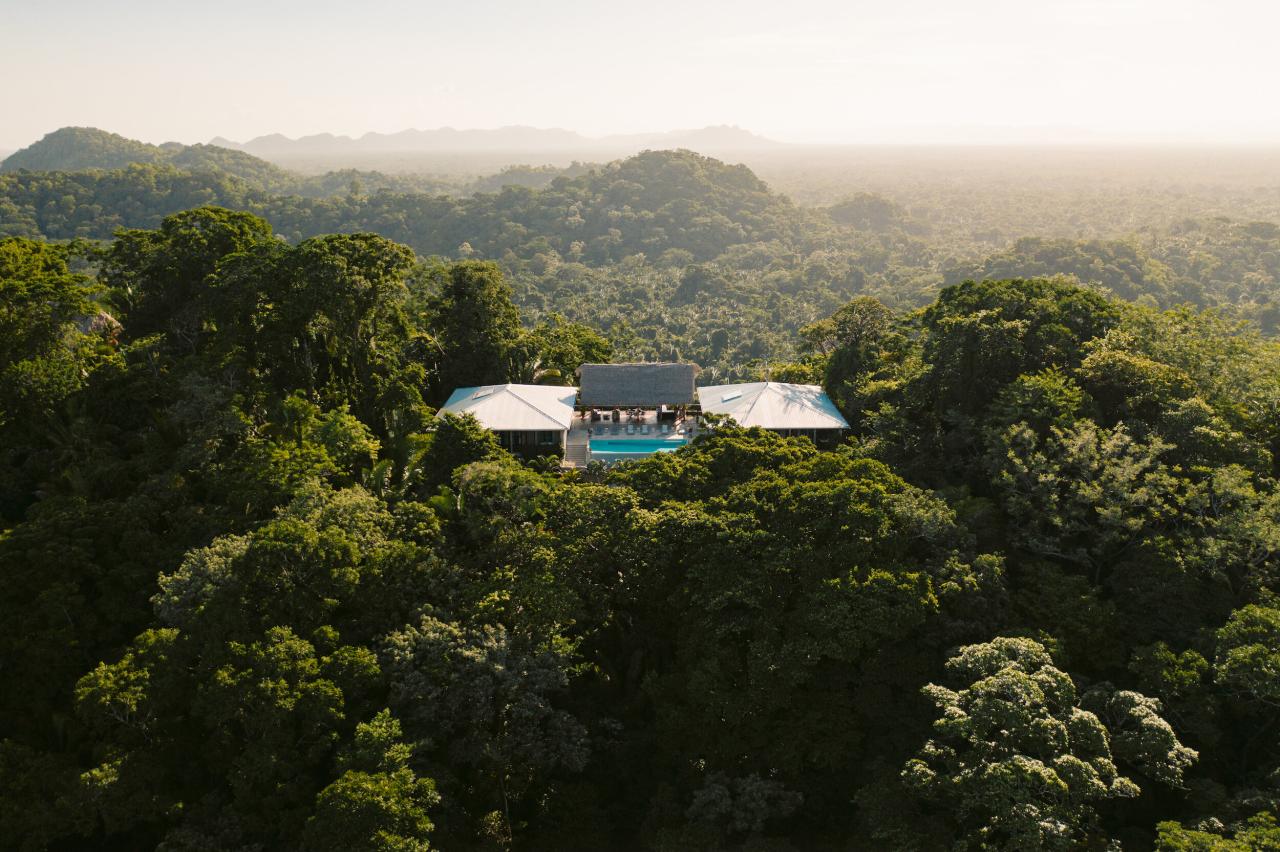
{"x": 522, "y": 139}
{"x": 412, "y": 160}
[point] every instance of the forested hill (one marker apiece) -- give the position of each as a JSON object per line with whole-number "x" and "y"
{"x": 671, "y": 254}
{"x": 649, "y": 203}
{"x": 73, "y": 149}
{"x": 87, "y": 149}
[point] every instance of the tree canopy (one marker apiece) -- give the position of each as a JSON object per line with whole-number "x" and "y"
{"x": 258, "y": 595}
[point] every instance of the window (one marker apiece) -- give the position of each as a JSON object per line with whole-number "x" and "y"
{"x": 546, "y": 439}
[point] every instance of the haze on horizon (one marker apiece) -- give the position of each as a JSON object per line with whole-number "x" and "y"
{"x": 825, "y": 71}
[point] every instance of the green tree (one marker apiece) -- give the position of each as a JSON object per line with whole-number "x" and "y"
{"x": 1259, "y": 834}
{"x": 1016, "y": 764}
{"x": 52, "y": 332}
{"x": 475, "y": 322}
{"x": 377, "y": 802}
{"x": 485, "y": 699}
{"x": 1248, "y": 653}
{"x": 456, "y": 441}
{"x": 162, "y": 278}
{"x": 554, "y": 349}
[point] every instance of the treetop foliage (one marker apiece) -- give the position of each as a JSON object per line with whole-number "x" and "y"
{"x": 259, "y": 596}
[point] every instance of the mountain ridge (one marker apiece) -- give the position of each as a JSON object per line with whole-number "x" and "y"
{"x": 511, "y": 137}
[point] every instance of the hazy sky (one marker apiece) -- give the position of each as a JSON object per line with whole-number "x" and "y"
{"x": 806, "y": 70}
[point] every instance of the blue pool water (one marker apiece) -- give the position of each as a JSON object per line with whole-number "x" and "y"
{"x": 636, "y": 446}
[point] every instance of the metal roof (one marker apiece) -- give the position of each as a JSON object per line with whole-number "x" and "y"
{"x": 640, "y": 385}
{"x": 515, "y": 408}
{"x": 773, "y": 405}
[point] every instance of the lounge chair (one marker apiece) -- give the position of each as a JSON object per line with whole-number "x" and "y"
{"x": 631, "y": 428}
{"x": 644, "y": 430}
{"x": 666, "y": 427}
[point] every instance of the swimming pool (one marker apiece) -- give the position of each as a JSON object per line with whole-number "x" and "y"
{"x": 635, "y": 446}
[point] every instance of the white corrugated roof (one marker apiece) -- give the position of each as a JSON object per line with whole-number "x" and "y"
{"x": 515, "y": 408}
{"x": 773, "y": 405}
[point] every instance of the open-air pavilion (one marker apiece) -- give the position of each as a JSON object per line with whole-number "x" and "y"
{"x": 632, "y": 386}
{"x": 627, "y": 411}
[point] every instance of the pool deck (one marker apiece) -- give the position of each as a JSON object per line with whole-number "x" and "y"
{"x": 580, "y": 433}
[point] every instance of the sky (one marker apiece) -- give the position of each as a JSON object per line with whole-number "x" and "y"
{"x": 828, "y": 71}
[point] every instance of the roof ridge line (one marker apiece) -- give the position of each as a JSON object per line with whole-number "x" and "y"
{"x": 752, "y": 406}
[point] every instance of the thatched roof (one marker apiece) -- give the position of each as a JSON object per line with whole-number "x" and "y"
{"x": 638, "y": 385}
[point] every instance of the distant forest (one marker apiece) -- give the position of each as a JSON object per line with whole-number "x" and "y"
{"x": 258, "y": 596}
{"x": 678, "y": 256}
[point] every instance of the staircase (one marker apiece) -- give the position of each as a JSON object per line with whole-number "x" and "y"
{"x": 575, "y": 450}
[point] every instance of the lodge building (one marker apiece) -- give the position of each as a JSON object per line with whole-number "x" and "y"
{"x": 627, "y": 411}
